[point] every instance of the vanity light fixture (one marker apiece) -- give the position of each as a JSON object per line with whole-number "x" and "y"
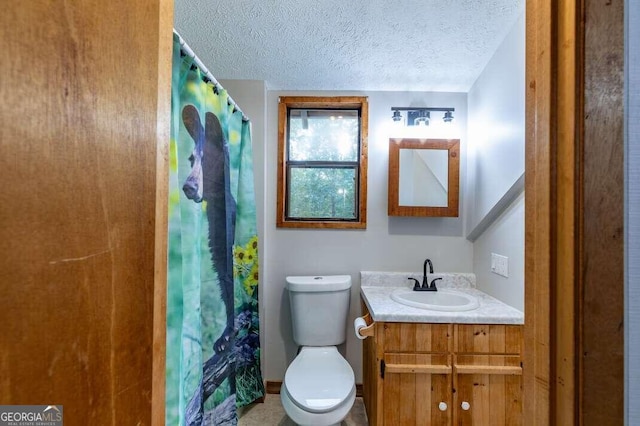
{"x": 422, "y": 119}
{"x": 448, "y": 117}
{"x": 417, "y": 116}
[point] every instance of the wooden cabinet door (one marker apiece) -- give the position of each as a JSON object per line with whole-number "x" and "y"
{"x": 488, "y": 390}
{"x": 417, "y": 390}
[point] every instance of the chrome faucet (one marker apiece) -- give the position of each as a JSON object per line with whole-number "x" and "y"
{"x": 425, "y": 280}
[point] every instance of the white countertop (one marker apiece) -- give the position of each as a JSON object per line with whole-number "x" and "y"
{"x": 376, "y": 289}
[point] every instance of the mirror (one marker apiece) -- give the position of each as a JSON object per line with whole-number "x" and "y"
{"x": 424, "y": 177}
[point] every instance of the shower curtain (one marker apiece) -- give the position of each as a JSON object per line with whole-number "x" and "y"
{"x": 213, "y": 346}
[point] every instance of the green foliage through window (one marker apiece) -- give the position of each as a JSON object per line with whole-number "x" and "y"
{"x": 322, "y": 193}
{"x": 323, "y": 149}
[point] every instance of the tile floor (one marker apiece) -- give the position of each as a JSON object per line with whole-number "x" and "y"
{"x": 271, "y": 413}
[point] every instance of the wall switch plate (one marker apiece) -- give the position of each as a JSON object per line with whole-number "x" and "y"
{"x": 500, "y": 265}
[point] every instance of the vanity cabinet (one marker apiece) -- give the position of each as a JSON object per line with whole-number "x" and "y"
{"x": 443, "y": 374}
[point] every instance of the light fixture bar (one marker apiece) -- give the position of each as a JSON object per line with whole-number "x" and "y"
{"x": 421, "y": 115}
{"x": 443, "y": 109}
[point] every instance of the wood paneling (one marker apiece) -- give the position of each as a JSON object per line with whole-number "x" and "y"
{"x": 574, "y": 222}
{"x": 538, "y": 210}
{"x": 159, "y": 366}
{"x": 488, "y": 364}
{"x": 370, "y": 369}
{"x": 415, "y": 337}
{"x": 412, "y": 395}
{"x": 418, "y": 363}
{"x": 369, "y": 378}
{"x": 602, "y": 207}
{"x": 491, "y": 385}
{"x": 488, "y": 339}
{"x": 551, "y": 225}
{"x": 85, "y": 89}
{"x": 564, "y": 197}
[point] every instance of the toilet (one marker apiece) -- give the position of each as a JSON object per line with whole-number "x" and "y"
{"x": 319, "y": 385}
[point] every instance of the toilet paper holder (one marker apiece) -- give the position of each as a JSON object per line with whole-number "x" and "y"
{"x": 364, "y": 328}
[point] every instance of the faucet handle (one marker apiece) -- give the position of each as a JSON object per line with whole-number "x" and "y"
{"x": 416, "y": 284}
{"x": 433, "y": 282}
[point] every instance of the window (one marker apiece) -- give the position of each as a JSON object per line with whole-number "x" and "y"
{"x": 322, "y": 162}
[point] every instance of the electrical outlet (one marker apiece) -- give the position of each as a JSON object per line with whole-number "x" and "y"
{"x": 500, "y": 265}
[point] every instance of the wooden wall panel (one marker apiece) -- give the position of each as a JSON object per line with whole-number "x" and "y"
{"x": 602, "y": 266}
{"x": 80, "y": 141}
{"x": 163, "y": 114}
{"x": 538, "y": 210}
{"x": 573, "y": 369}
{"x": 564, "y": 195}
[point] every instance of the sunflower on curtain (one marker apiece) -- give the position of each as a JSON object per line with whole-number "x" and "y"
{"x": 213, "y": 345}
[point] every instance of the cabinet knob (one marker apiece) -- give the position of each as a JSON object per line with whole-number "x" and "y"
{"x": 443, "y": 406}
{"x": 465, "y": 405}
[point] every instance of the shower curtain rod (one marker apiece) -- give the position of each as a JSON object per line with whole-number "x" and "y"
{"x": 186, "y": 49}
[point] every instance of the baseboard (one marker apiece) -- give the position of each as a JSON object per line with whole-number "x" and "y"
{"x": 274, "y": 387}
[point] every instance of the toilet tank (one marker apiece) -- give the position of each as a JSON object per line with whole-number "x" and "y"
{"x": 319, "y": 309}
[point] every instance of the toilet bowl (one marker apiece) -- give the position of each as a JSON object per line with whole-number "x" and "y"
{"x": 319, "y": 387}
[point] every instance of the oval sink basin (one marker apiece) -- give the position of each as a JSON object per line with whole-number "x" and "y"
{"x": 441, "y": 300}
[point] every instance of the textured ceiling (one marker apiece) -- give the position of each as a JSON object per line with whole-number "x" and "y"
{"x": 398, "y": 45}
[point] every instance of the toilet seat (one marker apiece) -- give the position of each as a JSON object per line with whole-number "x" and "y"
{"x": 319, "y": 379}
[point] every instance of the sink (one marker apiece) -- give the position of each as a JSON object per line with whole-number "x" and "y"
{"x": 441, "y": 300}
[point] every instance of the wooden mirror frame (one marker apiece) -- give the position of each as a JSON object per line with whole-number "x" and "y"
{"x": 453, "y": 190}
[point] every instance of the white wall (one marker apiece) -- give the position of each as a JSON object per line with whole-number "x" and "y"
{"x": 505, "y": 236}
{"x": 496, "y": 161}
{"x": 388, "y": 243}
{"x": 496, "y": 125}
{"x": 632, "y": 215}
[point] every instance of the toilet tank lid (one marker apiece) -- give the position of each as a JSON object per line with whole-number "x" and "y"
{"x": 319, "y": 283}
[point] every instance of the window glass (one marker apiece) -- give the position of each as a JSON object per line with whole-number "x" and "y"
{"x": 323, "y": 135}
{"x": 322, "y": 193}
